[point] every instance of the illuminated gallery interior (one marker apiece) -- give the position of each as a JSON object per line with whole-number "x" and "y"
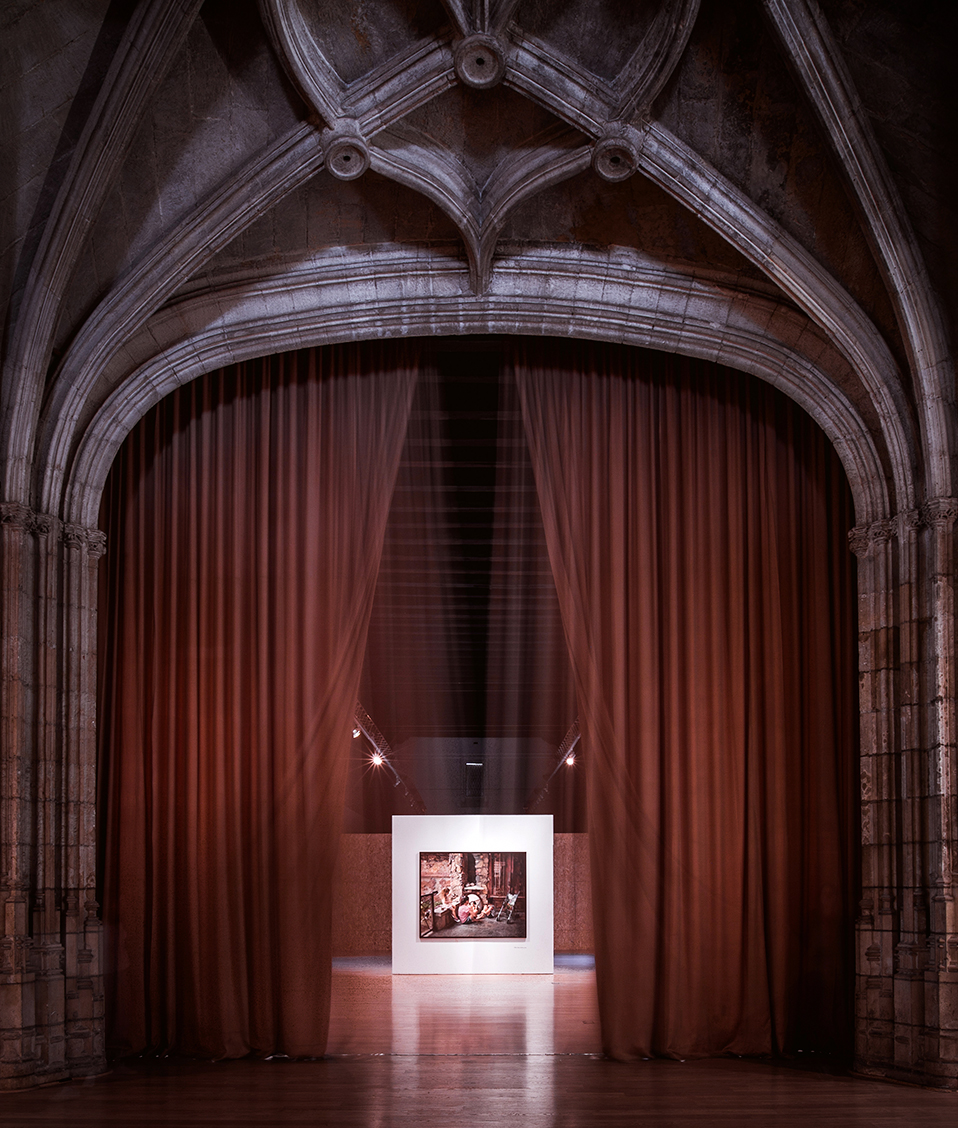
{"x": 518, "y": 434}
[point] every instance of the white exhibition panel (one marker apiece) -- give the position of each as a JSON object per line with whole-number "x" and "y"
{"x": 528, "y": 834}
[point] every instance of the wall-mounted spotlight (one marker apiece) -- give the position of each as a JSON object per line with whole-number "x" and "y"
{"x": 566, "y": 755}
{"x": 379, "y": 756}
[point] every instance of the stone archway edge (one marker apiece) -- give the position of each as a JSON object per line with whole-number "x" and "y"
{"x": 390, "y": 291}
{"x": 809, "y": 43}
{"x": 151, "y": 42}
{"x": 182, "y": 252}
{"x": 662, "y": 156}
{"x": 676, "y": 168}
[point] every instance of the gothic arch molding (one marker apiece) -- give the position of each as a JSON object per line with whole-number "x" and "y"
{"x": 402, "y": 295}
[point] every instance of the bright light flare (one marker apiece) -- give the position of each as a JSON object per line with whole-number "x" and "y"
{"x": 570, "y": 760}
{"x": 376, "y": 759}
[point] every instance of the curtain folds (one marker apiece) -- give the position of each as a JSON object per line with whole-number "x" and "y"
{"x": 245, "y": 519}
{"x": 696, "y": 524}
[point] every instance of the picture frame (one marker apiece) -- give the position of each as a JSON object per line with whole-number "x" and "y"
{"x": 472, "y": 895}
{"x": 418, "y": 949}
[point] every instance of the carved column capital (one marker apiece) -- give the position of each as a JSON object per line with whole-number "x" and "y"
{"x": 74, "y": 536}
{"x": 19, "y": 516}
{"x": 910, "y": 522}
{"x": 940, "y": 512}
{"x": 16, "y": 515}
{"x": 864, "y": 538}
{"x": 96, "y": 543}
{"x": 23, "y": 517}
{"x": 93, "y": 541}
{"x": 936, "y": 513}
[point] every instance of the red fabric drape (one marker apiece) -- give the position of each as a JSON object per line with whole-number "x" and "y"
{"x": 245, "y": 519}
{"x": 696, "y": 523}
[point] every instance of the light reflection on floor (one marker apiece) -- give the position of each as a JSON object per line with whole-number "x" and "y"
{"x": 375, "y": 1012}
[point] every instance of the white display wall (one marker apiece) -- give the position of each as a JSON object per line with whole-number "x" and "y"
{"x": 528, "y": 834}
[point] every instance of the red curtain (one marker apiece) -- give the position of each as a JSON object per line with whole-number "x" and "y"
{"x": 245, "y": 520}
{"x": 696, "y": 523}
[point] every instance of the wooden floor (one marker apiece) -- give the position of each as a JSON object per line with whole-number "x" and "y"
{"x": 375, "y": 1012}
{"x": 440, "y": 1051}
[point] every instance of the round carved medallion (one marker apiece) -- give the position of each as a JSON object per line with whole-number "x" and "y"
{"x": 614, "y": 158}
{"x": 480, "y": 61}
{"x": 347, "y": 157}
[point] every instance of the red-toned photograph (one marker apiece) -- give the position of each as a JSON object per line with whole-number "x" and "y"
{"x": 472, "y": 896}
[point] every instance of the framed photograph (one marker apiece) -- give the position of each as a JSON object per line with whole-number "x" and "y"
{"x": 472, "y": 895}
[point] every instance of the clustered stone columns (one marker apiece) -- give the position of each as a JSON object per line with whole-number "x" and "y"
{"x": 51, "y": 991}
{"x": 907, "y": 958}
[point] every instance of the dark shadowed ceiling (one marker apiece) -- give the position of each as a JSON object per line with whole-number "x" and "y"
{"x": 467, "y": 674}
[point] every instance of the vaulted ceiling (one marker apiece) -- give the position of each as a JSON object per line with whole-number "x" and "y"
{"x": 765, "y": 182}
{"x": 160, "y": 151}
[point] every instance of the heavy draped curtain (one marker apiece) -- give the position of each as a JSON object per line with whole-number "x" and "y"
{"x": 696, "y": 523}
{"x": 245, "y": 519}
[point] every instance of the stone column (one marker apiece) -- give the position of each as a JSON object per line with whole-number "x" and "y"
{"x": 877, "y": 927}
{"x": 908, "y": 710}
{"x": 939, "y": 832}
{"x": 50, "y": 999}
{"x": 82, "y": 933}
{"x": 907, "y": 975}
{"x": 17, "y": 1057}
{"x": 51, "y": 996}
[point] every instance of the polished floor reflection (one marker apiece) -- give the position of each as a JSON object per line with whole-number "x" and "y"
{"x": 441, "y": 1051}
{"x": 375, "y": 1012}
